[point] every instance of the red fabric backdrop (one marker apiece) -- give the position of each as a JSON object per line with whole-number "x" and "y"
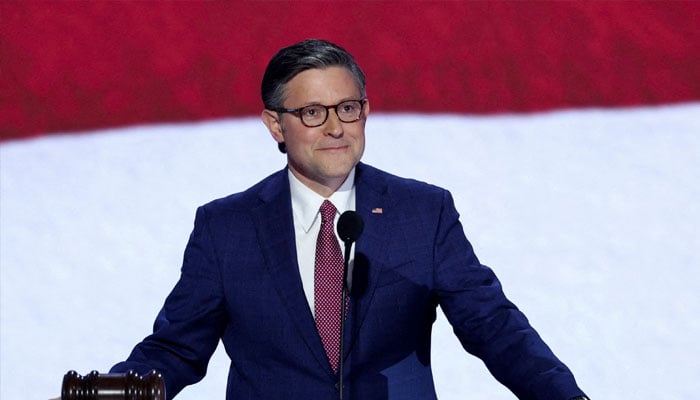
{"x": 70, "y": 65}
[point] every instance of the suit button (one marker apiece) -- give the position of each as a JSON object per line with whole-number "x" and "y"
{"x": 337, "y": 386}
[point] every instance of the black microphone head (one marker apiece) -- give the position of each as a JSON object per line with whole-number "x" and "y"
{"x": 350, "y": 226}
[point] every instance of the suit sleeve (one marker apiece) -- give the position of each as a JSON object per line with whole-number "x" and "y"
{"x": 487, "y": 324}
{"x": 188, "y": 327}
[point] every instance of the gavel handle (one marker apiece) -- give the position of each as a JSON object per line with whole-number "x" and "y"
{"x": 96, "y": 386}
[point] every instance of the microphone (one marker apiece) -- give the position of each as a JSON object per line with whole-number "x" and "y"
{"x": 350, "y": 226}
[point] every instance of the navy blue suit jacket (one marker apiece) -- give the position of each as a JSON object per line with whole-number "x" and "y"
{"x": 240, "y": 283}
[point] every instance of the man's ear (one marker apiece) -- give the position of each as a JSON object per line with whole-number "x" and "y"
{"x": 272, "y": 121}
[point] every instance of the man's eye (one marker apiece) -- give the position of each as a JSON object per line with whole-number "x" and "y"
{"x": 311, "y": 112}
{"x": 349, "y": 108}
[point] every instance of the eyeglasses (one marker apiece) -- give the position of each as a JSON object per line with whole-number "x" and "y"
{"x": 317, "y": 114}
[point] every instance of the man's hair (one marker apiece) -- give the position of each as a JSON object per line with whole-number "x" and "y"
{"x": 299, "y": 57}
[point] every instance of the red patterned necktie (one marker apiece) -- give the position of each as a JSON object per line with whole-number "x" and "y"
{"x": 328, "y": 285}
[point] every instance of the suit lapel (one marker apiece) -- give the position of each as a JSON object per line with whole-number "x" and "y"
{"x": 275, "y": 228}
{"x": 374, "y": 206}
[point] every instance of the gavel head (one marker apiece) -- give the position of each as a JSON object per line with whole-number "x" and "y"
{"x": 126, "y": 386}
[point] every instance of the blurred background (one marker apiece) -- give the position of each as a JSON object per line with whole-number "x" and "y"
{"x": 568, "y": 133}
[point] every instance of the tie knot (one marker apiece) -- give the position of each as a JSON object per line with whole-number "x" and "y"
{"x": 328, "y": 211}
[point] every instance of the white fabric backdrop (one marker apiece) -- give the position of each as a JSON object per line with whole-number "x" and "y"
{"x": 590, "y": 219}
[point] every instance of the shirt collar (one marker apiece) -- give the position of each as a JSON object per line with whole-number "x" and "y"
{"x": 306, "y": 203}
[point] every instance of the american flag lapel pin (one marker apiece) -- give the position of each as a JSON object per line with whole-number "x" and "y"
{"x": 377, "y": 210}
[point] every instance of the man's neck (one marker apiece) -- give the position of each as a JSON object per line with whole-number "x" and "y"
{"x": 324, "y": 189}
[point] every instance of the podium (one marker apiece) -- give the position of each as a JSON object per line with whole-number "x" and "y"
{"x": 126, "y": 386}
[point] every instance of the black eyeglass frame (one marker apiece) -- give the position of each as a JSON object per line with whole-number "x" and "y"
{"x": 297, "y": 111}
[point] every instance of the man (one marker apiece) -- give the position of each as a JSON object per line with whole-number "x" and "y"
{"x": 261, "y": 273}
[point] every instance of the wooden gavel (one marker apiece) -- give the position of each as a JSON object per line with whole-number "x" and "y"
{"x": 127, "y": 386}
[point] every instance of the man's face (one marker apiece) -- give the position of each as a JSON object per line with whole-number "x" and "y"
{"x": 321, "y": 157}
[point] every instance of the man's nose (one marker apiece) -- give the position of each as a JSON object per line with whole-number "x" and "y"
{"x": 333, "y": 125}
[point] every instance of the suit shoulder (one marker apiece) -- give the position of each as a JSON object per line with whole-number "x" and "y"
{"x": 398, "y": 185}
{"x": 245, "y": 200}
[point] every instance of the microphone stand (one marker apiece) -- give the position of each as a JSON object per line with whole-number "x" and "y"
{"x": 350, "y": 226}
{"x": 343, "y": 312}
